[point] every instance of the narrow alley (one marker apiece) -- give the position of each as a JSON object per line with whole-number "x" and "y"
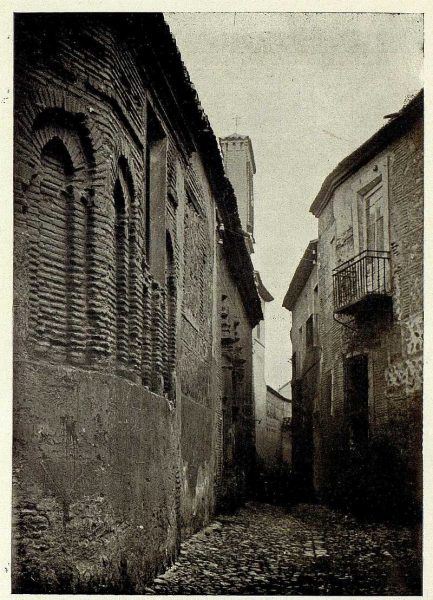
{"x": 218, "y": 303}
{"x": 307, "y": 550}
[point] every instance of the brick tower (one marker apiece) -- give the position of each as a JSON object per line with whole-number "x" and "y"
{"x": 240, "y": 168}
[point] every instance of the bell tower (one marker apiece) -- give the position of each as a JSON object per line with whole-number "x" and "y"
{"x": 240, "y": 168}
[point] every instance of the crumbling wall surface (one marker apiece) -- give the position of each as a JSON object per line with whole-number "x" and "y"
{"x": 95, "y": 489}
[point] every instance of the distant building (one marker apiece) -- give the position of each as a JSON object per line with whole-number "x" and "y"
{"x": 276, "y": 447}
{"x": 368, "y": 412}
{"x": 287, "y": 442}
{"x": 302, "y": 299}
{"x": 240, "y": 168}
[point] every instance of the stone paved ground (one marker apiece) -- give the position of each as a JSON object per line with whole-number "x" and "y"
{"x": 311, "y": 550}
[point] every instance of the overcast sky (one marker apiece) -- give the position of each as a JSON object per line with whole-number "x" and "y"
{"x": 308, "y": 89}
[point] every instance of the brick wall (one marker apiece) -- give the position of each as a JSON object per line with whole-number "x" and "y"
{"x": 117, "y": 386}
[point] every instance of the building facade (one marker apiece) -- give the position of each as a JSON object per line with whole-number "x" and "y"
{"x": 134, "y": 304}
{"x": 368, "y": 415}
{"x": 276, "y": 446}
{"x": 302, "y": 299}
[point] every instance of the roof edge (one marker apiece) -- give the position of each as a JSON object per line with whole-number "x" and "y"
{"x": 386, "y": 134}
{"x": 276, "y": 393}
{"x": 301, "y": 275}
{"x": 263, "y": 292}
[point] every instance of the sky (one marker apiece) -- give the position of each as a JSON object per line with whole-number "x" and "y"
{"x": 308, "y": 88}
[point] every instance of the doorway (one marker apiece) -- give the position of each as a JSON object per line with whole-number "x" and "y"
{"x": 356, "y": 400}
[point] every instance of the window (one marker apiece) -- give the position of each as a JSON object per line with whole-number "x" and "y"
{"x": 294, "y": 375}
{"x": 374, "y": 224}
{"x": 356, "y": 399}
{"x": 309, "y": 332}
{"x": 312, "y": 331}
{"x": 60, "y": 228}
{"x": 372, "y": 233}
{"x": 316, "y": 325}
{"x": 55, "y": 243}
{"x": 316, "y": 313}
{"x": 250, "y": 199}
{"x": 370, "y": 210}
{"x": 316, "y": 298}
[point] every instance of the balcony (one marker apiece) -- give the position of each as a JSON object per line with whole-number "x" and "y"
{"x": 363, "y": 283}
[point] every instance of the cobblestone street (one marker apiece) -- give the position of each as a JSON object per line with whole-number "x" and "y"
{"x": 308, "y": 550}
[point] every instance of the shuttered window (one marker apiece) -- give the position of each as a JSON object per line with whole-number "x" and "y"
{"x": 374, "y": 219}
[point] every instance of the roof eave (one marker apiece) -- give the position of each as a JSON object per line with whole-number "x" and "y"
{"x": 301, "y": 276}
{"x": 264, "y": 294}
{"x": 370, "y": 148}
{"x": 277, "y": 394}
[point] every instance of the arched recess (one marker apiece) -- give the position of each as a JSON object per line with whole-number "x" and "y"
{"x": 74, "y": 123}
{"x": 126, "y": 267}
{"x": 55, "y": 161}
{"x": 54, "y": 269}
{"x": 57, "y": 224}
{"x": 171, "y": 306}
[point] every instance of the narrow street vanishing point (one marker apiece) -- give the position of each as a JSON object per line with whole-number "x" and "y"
{"x": 307, "y": 550}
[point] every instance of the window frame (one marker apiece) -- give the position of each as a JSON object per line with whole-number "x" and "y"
{"x": 309, "y": 332}
{"x": 366, "y": 184}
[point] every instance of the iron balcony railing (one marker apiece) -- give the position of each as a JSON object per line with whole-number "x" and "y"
{"x": 365, "y": 275}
